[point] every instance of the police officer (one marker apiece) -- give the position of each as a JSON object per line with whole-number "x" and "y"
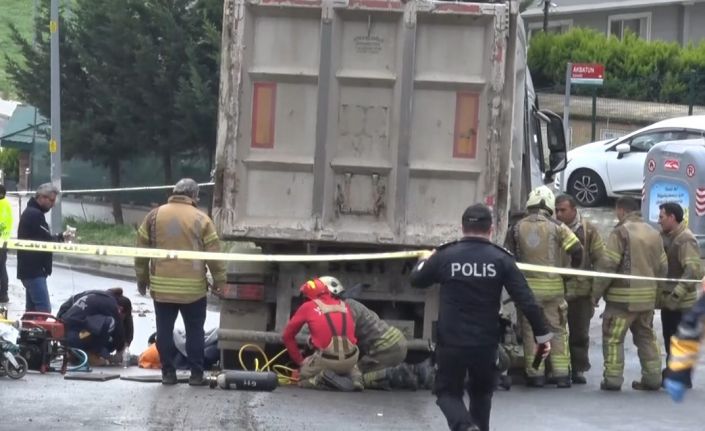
{"x": 472, "y": 272}
{"x": 541, "y": 240}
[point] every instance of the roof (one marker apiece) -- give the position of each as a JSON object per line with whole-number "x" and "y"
{"x": 689, "y": 122}
{"x": 566, "y": 7}
{"x": 20, "y": 131}
{"x": 7, "y": 107}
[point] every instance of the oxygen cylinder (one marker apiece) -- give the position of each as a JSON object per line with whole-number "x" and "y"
{"x": 245, "y": 380}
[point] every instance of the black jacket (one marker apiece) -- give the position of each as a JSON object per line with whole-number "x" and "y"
{"x": 96, "y": 312}
{"x": 472, "y": 272}
{"x": 33, "y": 225}
{"x": 128, "y": 325}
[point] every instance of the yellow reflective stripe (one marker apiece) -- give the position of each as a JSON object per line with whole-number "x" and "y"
{"x": 631, "y": 294}
{"x": 177, "y": 285}
{"x": 390, "y": 338}
{"x": 613, "y": 365}
{"x": 570, "y": 241}
{"x": 546, "y": 287}
{"x": 614, "y": 256}
{"x": 210, "y": 238}
{"x": 142, "y": 232}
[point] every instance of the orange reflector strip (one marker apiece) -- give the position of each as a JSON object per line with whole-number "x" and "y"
{"x": 247, "y": 292}
{"x": 466, "y": 112}
{"x": 263, "y": 107}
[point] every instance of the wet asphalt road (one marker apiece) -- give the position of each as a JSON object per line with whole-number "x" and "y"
{"x": 48, "y": 402}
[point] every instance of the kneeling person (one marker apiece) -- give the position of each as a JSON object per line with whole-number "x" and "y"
{"x": 332, "y": 336}
{"x": 382, "y": 346}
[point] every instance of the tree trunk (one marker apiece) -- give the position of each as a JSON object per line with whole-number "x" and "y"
{"x": 115, "y": 196}
{"x": 166, "y": 162}
{"x": 168, "y": 174}
{"x": 211, "y": 167}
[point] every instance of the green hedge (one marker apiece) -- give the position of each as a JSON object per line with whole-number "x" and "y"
{"x": 634, "y": 68}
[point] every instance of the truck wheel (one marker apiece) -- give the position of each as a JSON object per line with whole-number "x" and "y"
{"x": 587, "y": 188}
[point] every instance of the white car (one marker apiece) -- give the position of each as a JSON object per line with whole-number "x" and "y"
{"x": 615, "y": 167}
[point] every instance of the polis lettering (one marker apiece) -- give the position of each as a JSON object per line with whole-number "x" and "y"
{"x": 473, "y": 269}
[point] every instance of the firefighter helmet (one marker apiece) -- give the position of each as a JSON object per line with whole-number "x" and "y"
{"x": 313, "y": 289}
{"x": 541, "y": 197}
{"x": 333, "y": 284}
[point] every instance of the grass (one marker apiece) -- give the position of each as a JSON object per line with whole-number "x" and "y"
{"x": 101, "y": 233}
{"x": 19, "y": 13}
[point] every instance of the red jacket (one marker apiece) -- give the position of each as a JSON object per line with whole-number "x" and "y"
{"x": 321, "y": 334}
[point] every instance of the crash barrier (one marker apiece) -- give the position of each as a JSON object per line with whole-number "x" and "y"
{"x": 155, "y": 253}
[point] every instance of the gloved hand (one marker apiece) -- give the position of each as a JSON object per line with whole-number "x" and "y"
{"x": 217, "y": 288}
{"x": 142, "y": 287}
{"x": 672, "y": 301}
{"x": 675, "y": 389}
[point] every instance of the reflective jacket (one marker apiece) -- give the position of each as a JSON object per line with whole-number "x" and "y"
{"x": 635, "y": 248}
{"x": 5, "y": 219}
{"x": 593, "y": 251}
{"x": 373, "y": 334}
{"x": 539, "y": 239}
{"x": 178, "y": 225}
{"x": 683, "y": 256}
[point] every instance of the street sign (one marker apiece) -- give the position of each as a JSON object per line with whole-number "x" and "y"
{"x": 587, "y": 73}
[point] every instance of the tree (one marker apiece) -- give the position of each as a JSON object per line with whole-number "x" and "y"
{"x": 137, "y": 76}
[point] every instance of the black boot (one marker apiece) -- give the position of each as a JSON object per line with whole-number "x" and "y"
{"x": 536, "y": 382}
{"x": 169, "y": 377}
{"x": 563, "y": 382}
{"x": 579, "y": 378}
{"x": 196, "y": 378}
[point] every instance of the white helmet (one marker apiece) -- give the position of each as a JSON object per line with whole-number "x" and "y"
{"x": 333, "y": 284}
{"x": 541, "y": 197}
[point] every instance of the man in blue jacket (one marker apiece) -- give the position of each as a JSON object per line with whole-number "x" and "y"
{"x": 33, "y": 267}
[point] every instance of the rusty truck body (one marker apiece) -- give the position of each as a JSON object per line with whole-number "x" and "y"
{"x": 367, "y": 125}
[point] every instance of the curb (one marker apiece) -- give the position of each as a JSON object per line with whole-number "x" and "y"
{"x": 96, "y": 267}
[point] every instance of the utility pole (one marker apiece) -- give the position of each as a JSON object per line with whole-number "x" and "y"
{"x": 55, "y": 141}
{"x": 546, "y": 6}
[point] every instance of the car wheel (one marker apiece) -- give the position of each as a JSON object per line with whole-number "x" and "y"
{"x": 587, "y": 188}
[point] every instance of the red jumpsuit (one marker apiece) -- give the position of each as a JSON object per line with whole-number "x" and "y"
{"x": 321, "y": 333}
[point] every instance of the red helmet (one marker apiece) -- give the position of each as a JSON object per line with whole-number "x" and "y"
{"x": 313, "y": 289}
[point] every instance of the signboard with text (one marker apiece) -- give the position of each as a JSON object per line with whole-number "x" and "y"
{"x": 587, "y": 73}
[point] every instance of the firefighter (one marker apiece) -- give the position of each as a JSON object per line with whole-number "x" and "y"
{"x": 333, "y": 338}
{"x": 578, "y": 289}
{"x": 541, "y": 240}
{"x": 635, "y": 248}
{"x": 382, "y": 346}
{"x": 472, "y": 272}
{"x": 683, "y": 256}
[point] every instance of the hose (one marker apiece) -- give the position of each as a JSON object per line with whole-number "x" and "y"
{"x": 83, "y": 357}
{"x": 285, "y": 375}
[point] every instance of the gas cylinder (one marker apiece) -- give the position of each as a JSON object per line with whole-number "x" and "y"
{"x": 245, "y": 380}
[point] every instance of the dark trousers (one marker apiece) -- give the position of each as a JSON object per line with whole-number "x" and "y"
{"x": 454, "y": 365}
{"x": 670, "y": 319}
{"x": 580, "y": 311}
{"x": 194, "y": 317}
{"x": 3, "y": 273}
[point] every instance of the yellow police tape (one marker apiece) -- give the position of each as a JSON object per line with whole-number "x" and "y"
{"x": 155, "y": 253}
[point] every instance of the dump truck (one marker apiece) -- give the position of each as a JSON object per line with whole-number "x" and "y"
{"x": 352, "y": 126}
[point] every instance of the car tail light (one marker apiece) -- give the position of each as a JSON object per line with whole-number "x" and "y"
{"x": 245, "y": 292}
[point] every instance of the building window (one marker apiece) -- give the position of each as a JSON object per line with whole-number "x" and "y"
{"x": 639, "y": 24}
{"x": 558, "y": 27}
